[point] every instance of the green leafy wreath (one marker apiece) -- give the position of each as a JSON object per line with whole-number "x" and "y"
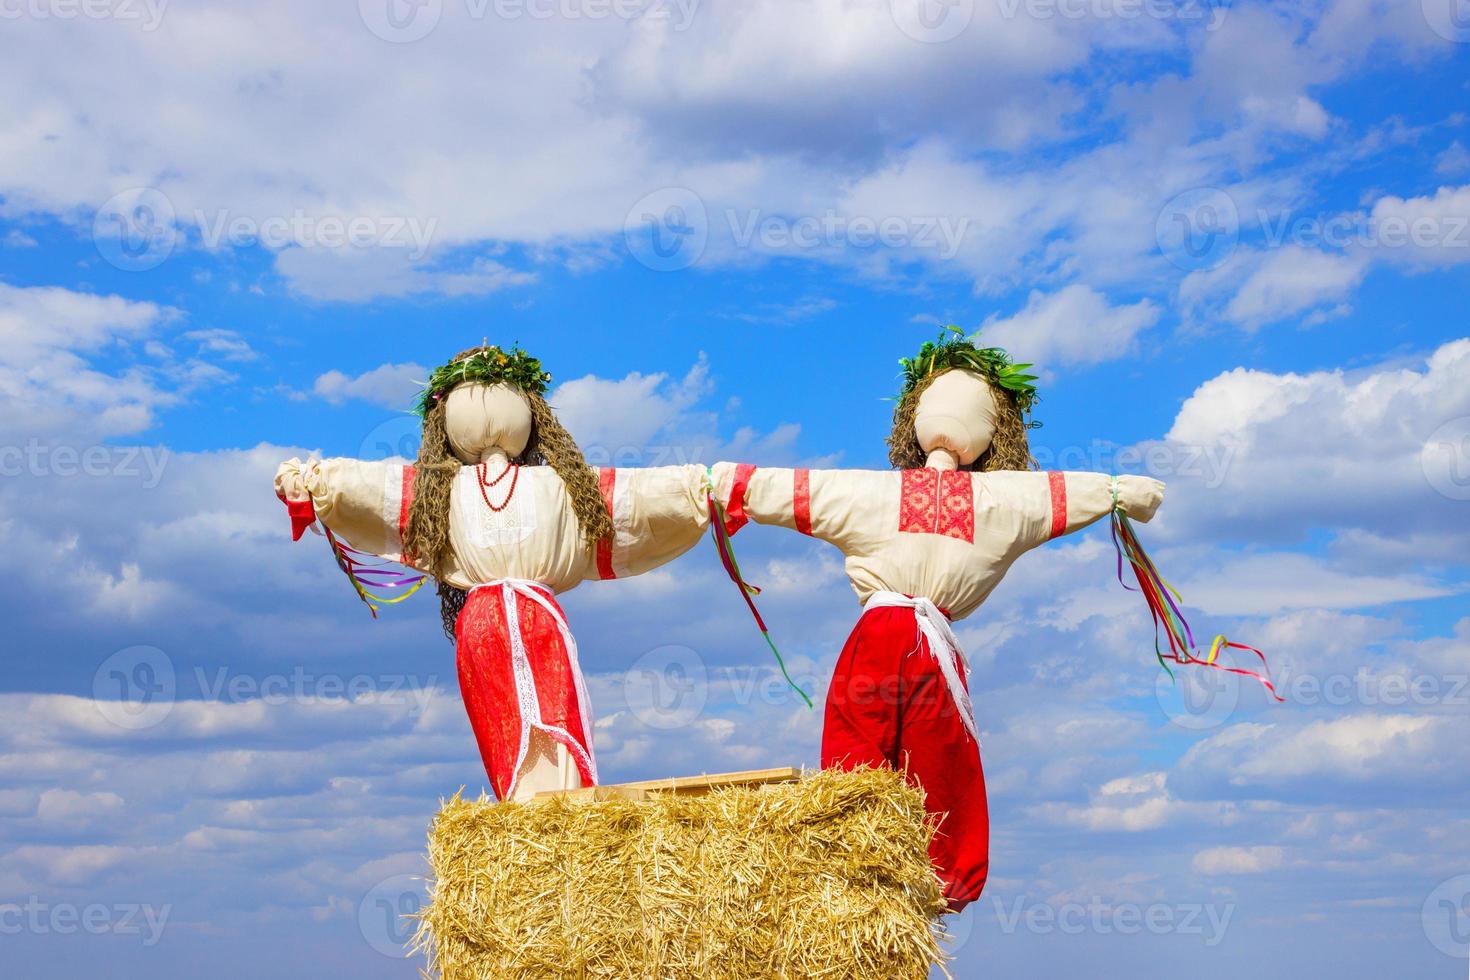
{"x": 488, "y": 365}
{"x": 954, "y": 350}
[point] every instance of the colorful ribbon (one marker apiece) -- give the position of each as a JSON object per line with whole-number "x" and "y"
{"x": 747, "y": 591}
{"x": 365, "y": 575}
{"x": 1161, "y": 598}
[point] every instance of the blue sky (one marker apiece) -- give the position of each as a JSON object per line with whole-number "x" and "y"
{"x": 1236, "y": 237}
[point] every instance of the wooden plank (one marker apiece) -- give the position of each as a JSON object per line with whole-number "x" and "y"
{"x": 677, "y": 785}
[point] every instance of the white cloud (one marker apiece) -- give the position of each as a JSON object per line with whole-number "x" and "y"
{"x": 1427, "y": 230}
{"x": 388, "y": 385}
{"x": 66, "y": 362}
{"x": 1073, "y": 326}
{"x": 1238, "y": 860}
{"x": 1325, "y": 448}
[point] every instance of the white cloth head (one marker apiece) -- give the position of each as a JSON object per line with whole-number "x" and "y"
{"x": 943, "y": 645}
{"x": 956, "y": 413}
{"x": 481, "y": 418}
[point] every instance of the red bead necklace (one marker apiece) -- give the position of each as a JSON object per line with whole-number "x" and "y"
{"x": 482, "y": 474}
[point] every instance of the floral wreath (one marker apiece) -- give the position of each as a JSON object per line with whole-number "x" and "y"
{"x": 954, "y": 350}
{"x": 489, "y": 365}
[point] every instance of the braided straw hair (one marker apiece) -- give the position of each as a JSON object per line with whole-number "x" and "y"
{"x": 427, "y": 536}
{"x": 1009, "y": 448}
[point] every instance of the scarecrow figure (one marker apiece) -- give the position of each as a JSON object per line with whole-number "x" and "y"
{"x": 924, "y": 545}
{"x": 502, "y": 509}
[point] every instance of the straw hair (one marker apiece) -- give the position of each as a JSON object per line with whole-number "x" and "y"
{"x": 426, "y": 538}
{"x": 826, "y": 877}
{"x": 1009, "y": 448}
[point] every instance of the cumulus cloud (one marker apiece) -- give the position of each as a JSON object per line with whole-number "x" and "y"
{"x": 388, "y": 385}
{"x": 1074, "y": 326}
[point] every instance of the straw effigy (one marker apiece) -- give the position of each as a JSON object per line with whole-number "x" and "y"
{"x": 825, "y": 877}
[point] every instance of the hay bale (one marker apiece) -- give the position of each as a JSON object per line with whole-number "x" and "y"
{"x": 827, "y": 877}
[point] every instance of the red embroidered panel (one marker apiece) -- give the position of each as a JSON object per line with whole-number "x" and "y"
{"x": 607, "y": 479}
{"x": 957, "y": 505}
{"x": 1057, "y": 482}
{"x": 801, "y": 500}
{"x": 918, "y": 502}
{"x": 935, "y": 502}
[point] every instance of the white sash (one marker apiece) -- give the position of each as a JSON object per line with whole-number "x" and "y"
{"x": 934, "y": 627}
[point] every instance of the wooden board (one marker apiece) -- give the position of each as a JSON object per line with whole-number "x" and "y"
{"x": 678, "y": 784}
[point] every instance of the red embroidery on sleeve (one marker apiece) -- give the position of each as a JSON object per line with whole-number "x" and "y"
{"x": 607, "y": 478}
{"x": 801, "y": 500}
{"x": 405, "y": 504}
{"x": 957, "y": 505}
{"x": 1058, "y": 482}
{"x": 735, "y": 516}
{"x": 918, "y": 510}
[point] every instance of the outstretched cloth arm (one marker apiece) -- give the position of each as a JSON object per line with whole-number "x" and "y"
{"x": 364, "y": 503}
{"x": 1047, "y": 505}
{"x": 658, "y": 513}
{"x": 845, "y": 508}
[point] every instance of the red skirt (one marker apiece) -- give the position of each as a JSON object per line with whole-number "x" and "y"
{"x": 889, "y": 705}
{"x": 518, "y": 672}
